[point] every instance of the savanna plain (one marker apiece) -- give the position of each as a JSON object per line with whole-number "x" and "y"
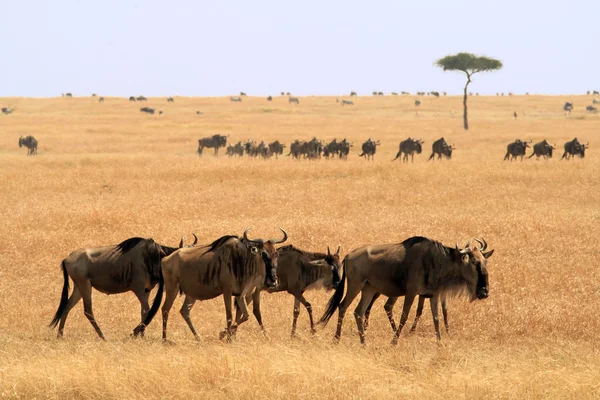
{"x": 106, "y": 172}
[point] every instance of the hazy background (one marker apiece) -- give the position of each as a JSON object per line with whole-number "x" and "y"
{"x": 192, "y": 48}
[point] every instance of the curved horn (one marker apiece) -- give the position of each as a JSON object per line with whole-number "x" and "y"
{"x": 195, "y": 239}
{"x": 468, "y": 245}
{"x": 328, "y": 252}
{"x": 483, "y": 244}
{"x": 285, "y": 237}
{"x": 246, "y": 234}
{"x": 338, "y": 250}
{"x": 181, "y": 241}
{"x": 463, "y": 251}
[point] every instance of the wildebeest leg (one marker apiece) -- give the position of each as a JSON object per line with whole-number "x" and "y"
{"x": 74, "y": 299}
{"x": 350, "y": 295}
{"x": 409, "y": 298}
{"x": 171, "y": 294}
{"x": 186, "y": 307}
{"x": 243, "y": 314}
{"x": 434, "y": 312}
{"x": 431, "y": 157}
{"x": 228, "y": 314}
{"x": 419, "y": 312}
{"x": 306, "y": 304}
{"x": 445, "y": 314}
{"x": 359, "y": 312}
{"x": 255, "y": 299}
{"x": 142, "y": 296}
{"x": 389, "y": 310}
{"x": 86, "y": 293}
{"x": 296, "y": 314}
{"x": 368, "y": 311}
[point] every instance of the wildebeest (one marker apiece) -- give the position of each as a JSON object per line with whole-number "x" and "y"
{"x": 416, "y": 267}
{"x": 67, "y": 94}
{"x": 214, "y": 141}
{"x": 297, "y": 148}
{"x": 242, "y": 94}
{"x": 595, "y": 93}
{"x": 516, "y": 149}
{"x": 7, "y": 110}
{"x": 235, "y": 99}
{"x": 515, "y": 115}
{"x": 436, "y": 94}
{"x": 101, "y": 99}
{"x": 409, "y": 147}
{"x": 568, "y": 107}
{"x": 141, "y": 98}
{"x": 293, "y": 100}
{"x": 270, "y": 98}
{"x": 574, "y": 148}
{"x": 369, "y": 148}
{"x": 170, "y": 100}
{"x": 331, "y": 149}
{"x": 543, "y": 149}
{"x": 132, "y": 98}
{"x": 591, "y": 109}
{"x": 147, "y": 110}
{"x": 441, "y": 148}
{"x": 238, "y": 150}
{"x": 299, "y": 271}
{"x": 596, "y": 101}
{"x": 380, "y": 94}
{"x": 31, "y": 143}
{"x": 417, "y": 103}
{"x": 262, "y": 150}
{"x": 347, "y": 102}
{"x": 132, "y": 265}
{"x": 229, "y": 266}
{"x": 276, "y": 148}
{"x": 250, "y": 148}
{"x": 353, "y": 94}
{"x": 313, "y": 148}
{"x": 344, "y": 149}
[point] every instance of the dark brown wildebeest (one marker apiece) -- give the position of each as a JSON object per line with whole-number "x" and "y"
{"x": 132, "y": 98}
{"x": 591, "y": 109}
{"x": 215, "y": 141}
{"x": 299, "y": 271}
{"x": 230, "y": 266}
{"x": 263, "y": 150}
{"x": 141, "y": 98}
{"x": 369, "y": 148}
{"x": 250, "y": 148}
{"x": 7, "y": 110}
{"x": 276, "y": 148}
{"x": 574, "y": 148}
{"x": 242, "y": 94}
{"x": 31, "y": 143}
{"x": 237, "y": 150}
{"x": 170, "y": 100}
{"x": 543, "y": 149}
{"x": 293, "y": 100}
{"x": 147, "y": 110}
{"x": 331, "y": 149}
{"x": 515, "y": 115}
{"x": 516, "y": 149}
{"x": 344, "y": 149}
{"x": 235, "y": 99}
{"x": 441, "y": 148}
{"x": 297, "y": 148}
{"x": 347, "y": 103}
{"x": 132, "y": 265}
{"x": 314, "y": 148}
{"x": 417, "y": 103}
{"x": 68, "y": 95}
{"x": 270, "y": 98}
{"x": 409, "y": 147}
{"x": 416, "y": 267}
{"x": 101, "y": 99}
{"x": 353, "y": 94}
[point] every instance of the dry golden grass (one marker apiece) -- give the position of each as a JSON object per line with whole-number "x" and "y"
{"x": 106, "y": 172}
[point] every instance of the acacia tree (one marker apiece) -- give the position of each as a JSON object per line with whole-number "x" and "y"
{"x": 469, "y": 64}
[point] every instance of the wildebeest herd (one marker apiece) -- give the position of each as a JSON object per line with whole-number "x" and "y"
{"x": 240, "y": 268}
{"x": 544, "y": 149}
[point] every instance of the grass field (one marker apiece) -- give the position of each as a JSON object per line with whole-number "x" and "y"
{"x": 106, "y": 172}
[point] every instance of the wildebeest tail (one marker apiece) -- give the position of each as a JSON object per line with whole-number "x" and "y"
{"x": 397, "y": 156}
{"x": 155, "y": 306}
{"x": 336, "y": 299}
{"x": 506, "y": 156}
{"x": 64, "y": 297}
{"x": 362, "y": 154}
{"x": 532, "y": 154}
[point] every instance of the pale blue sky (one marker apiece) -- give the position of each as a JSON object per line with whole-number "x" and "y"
{"x": 208, "y": 48}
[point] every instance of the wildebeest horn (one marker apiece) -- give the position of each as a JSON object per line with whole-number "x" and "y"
{"x": 195, "y": 239}
{"x": 328, "y": 252}
{"x": 482, "y": 244}
{"x": 285, "y": 236}
{"x": 181, "y": 241}
{"x": 338, "y": 250}
{"x": 463, "y": 251}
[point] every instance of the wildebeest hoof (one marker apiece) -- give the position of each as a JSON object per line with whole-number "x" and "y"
{"x": 313, "y": 331}
{"x": 394, "y": 342}
{"x": 168, "y": 342}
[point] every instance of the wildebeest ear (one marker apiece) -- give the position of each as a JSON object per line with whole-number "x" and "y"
{"x": 488, "y": 254}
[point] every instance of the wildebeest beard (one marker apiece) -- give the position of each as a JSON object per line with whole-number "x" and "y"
{"x": 271, "y": 280}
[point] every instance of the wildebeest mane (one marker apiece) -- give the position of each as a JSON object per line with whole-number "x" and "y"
{"x": 126, "y": 245}
{"x": 446, "y": 251}
{"x": 312, "y": 256}
{"x": 219, "y": 242}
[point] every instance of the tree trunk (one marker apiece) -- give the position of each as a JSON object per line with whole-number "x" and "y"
{"x": 465, "y": 118}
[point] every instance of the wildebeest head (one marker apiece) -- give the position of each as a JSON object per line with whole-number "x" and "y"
{"x": 473, "y": 262}
{"x": 419, "y": 145}
{"x": 21, "y": 141}
{"x": 268, "y": 253}
{"x": 333, "y": 260}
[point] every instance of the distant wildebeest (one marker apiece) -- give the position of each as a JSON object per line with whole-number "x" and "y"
{"x": 543, "y": 149}
{"x": 230, "y": 266}
{"x": 297, "y": 148}
{"x": 101, "y": 99}
{"x": 347, "y": 103}
{"x": 147, "y": 110}
{"x": 270, "y": 98}
{"x": 516, "y": 149}
{"x": 283, "y": 93}
{"x": 31, "y": 143}
{"x": 596, "y": 101}
{"x": 141, "y": 98}
{"x": 132, "y": 98}
{"x": 314, "y": 148}
{"x": 276, "y": 148}
{"x": 214, "y": 141}
{"x": 409, "y": 147}
{"x": 299, "y": 271}
{"x": 93, "y": 94}
{"x": 170, "y": 100}
{"x": 67, "y": 95}
{"x": 287, "y": 94}
{"x": 199, "y": 113}
{"x": 369, "y": 148}
{"x": 591, "y": 109}
{"x": 352, "y": 94}
{"x": 515, "y": 114}
{"x": 331, "y": 149}
{"x": 441, "y": 148}
{"x": 374, "y": 93}
{"x": 574, "y": 148}
{"x": 235, "y": 99}
{"x": 237, "y": 150}
{"x": 7, "y": 110}
{"x": 160, "y": 112}
{"x": 293, "y": 100}
{"x": 262, "y": 150}
{"x": 436, "y": 94}
{"x": 568, "y": 107}
{"x": 344, "y": 149}
{"x": 132, "y": 265}
{"x": 417, "y": 103}
{"x": 596, "y": 93}
{"x": 242, "y": 94}
{"x": 416, "y": 267}
{"x": 380, "y": 93}
{"x": 250, "y": 148}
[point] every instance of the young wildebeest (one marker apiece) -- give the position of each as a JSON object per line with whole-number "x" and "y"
{"x": 543, "y": 149}
{"x": 132, "y": 265}
{"x": 369, "y": 148}
{"x": 409, "y": 147}
{"x": 31, "y": 143}
{"x": 215, "y": 141}
{"x": 416, "y": 267}
{"x": 574, "y": 148}
{"x": 516, "y": 149}
{"x": 441, "y": 148}
{"x": 299, "y": 271}
{"x": 230, "y": 266}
